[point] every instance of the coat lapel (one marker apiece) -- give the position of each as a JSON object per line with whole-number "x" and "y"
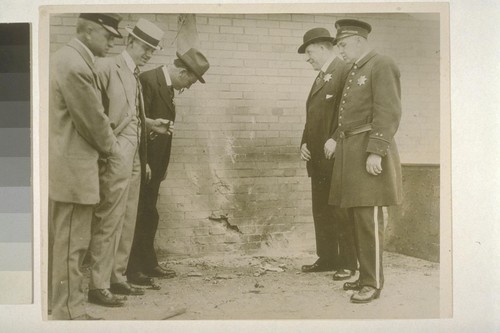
{"x": 126, "y": 77}
{"x": 330, "y": 70}
{"x": 163, "y": 88}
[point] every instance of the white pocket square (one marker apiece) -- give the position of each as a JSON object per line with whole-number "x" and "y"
{"x": 329, "y": 96}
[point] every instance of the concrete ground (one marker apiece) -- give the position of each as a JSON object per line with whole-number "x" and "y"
{"x": 265, "y": 287}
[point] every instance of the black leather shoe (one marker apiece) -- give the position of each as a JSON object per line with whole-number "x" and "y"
{"x": 124, "y": 288}
{"x": 87, "y": 317}
{"x": 140, "y": 279}
{"x": 316, "y": 267}
{"x": 365, "y": 295}
{"x": 161, "y": 272}
{"x": 352, "y": 285}
{"x": 104, "y": 297}
{"x": 343, "y": 274}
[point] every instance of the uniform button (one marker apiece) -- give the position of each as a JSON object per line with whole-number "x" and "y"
{"x": 341, "y": 108}
{"x": 345, "y": 94}
{"x": 348, "y": 87}
{"x": 353, "y": 73}
{"x": 340, "y": 117}
{"x": 343, "y": 102}
{"x": 349, "y": 82}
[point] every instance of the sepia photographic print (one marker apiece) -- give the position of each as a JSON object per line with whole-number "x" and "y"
{"x": 245, "y": 162}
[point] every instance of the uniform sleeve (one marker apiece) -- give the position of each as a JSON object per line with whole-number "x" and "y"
{"x": 86, "y": 110}
{"x": 386, "y": 89}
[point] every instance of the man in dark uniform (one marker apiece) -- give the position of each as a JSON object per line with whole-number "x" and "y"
{"x": 334, "y": 243}
{"x": 367, "y": 172}
{"x": 158, "y": 88}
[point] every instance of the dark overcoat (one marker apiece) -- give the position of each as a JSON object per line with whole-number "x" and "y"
{"x": 368, "y": 118}
{"x": 321, "y": 118}
{"x": 158, "y": 103}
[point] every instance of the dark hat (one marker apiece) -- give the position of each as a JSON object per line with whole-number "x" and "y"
{"x": 316, "y": 35}
{"x": 195, "y": 61}
{"x": 147, "y": 32}
{"x": 349, "y": 27}
{"x": 108, "y": 21}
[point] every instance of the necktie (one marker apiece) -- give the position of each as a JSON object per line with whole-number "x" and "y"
{"x": 320, "y": 77}
{"x": 142, "y": 134}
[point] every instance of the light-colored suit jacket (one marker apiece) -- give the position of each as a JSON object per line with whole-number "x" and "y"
{"x": 119, "y": 91}
{"x": 79, "y": 131}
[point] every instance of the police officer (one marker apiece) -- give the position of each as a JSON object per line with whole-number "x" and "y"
{"x": 367, "y": 172}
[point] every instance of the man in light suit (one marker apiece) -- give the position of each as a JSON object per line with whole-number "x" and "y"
{"x": 114, "y": 218}
{"x": 158, "y": 86}
{"x": 79, "y": 132}
{"x": 334, "y": 242}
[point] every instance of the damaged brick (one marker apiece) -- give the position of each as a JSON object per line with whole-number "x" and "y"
{"x": 225, "y": 222}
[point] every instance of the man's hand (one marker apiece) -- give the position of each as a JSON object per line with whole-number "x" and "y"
{"x": 374, "y": 164}
{"x": 305, "y": 154}
{"x": 160, "y": 126}
{"x": 330, "y": 148}
{"x": 148, "y": 173}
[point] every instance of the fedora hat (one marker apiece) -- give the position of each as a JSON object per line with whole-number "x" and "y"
{"x": 195, "y": 61}
{"x": 108, "y": 21}
{"x": 147, "y": 32}
{"x": 316, "y": 35}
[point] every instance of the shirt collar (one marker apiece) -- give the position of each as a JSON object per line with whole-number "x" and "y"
{"x": 92, "y": 56}
{"x": 167, "y": 76}
{"x": 128, "y": 60}
{"x": 327, "y": 63}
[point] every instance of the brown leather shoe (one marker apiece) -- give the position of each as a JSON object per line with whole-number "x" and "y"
{"x": 343, "y": 274}
{"x": 140, "y": 279}
{"x": 352, "y": 285}
{"x": 365, "y": 295}
{"x": 104, "y": 297}
{"x": 159, "y": 271}
{"x": 124, "y": 288}
{"x": 316, "y": 267}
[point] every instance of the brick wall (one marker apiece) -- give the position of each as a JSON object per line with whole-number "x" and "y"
{"x": 235, "y": 149}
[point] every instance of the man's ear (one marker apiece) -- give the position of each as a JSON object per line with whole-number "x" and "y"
{"x": 184, "y": 73}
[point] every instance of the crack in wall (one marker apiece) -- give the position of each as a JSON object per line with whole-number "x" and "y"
{"x": 224, "y": 220}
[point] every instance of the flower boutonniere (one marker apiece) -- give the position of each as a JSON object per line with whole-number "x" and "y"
{"x": 327, "y": 77}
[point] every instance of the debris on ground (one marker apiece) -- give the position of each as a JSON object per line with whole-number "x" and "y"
{"x": 270, "y": 268}
{"x": 224, "y": 277}
{"x": 194, "y": 274}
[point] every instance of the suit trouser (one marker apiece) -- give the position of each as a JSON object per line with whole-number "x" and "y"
{"x": 334, "y": 241}
{"x": 115, "y": 215}
{"x": 369, "y": 238}
{"x": 143, "y": 256}
{"x": 69, "y": 238}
